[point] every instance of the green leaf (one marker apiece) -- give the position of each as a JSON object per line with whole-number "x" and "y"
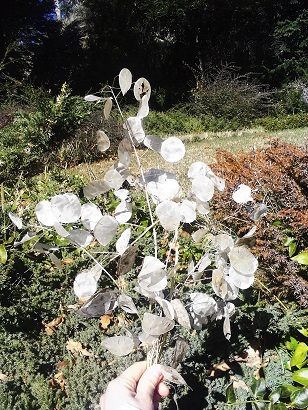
{"x": 301, "y": 258}
{"x": 303, "y": 331}
{"x": 286, "y": 390}
{"x": 301, "y": 376}
{"x": 292, "y": 344}
{"x": 299, "y": 355}
{"x": 3, "y": 254}
{"x": 258, "y": 388}
{"x": 292, "y": 248}
{"x": 288, "y": 365}
{"x": 288, "y": 241}
{"x": 300, "y": 398}
{"x": 230, "y": 394}
{"x": 279, "y": 406}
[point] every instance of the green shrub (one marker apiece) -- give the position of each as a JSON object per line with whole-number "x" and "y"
{"x": 40, "y": 123}
{"x": 291, "y": 99}
{"x": 283, "y": 122}
{"x": 175, "y": 121}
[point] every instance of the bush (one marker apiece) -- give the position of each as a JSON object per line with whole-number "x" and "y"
{"x": 278, "y": 176}
{"x": 224, "y": 93}
{"x": 283, "y": 122}
{"x": 37, "y": 126}
{"x": 292, "y": 99}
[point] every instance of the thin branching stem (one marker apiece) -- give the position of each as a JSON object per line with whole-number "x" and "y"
{"x": 141, "y": 173}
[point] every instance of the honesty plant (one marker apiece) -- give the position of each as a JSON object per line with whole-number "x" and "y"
{"x": 83, "y": 224}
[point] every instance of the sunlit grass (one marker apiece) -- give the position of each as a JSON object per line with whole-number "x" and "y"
{"x": 199, "y": 147}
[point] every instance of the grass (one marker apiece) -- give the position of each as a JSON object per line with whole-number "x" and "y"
{"x": 199, "y": 147}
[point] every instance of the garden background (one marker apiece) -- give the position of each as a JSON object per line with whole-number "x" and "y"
{"x": 229, "y": 79}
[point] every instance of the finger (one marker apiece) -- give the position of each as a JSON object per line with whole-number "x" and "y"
{"x": 162, "y": 389}
{"x": 102, "y": 401}
{"x": 149, "y": 382}
{"x": 131, "y": 376}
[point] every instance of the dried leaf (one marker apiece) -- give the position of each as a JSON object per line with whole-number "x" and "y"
{"x": 122, "y": 242}
{"x": 127, "y": 260}
{"x": 125, "y": 80}
{"x": 103, "y": 142}
{"x": 152, "y": 277}
{"x": 85, "y": 284}
{"x": 55, "y": 260}
{"x": 3, "y": 377}
{"x": 172, "y": 149}
{"x": 156, "y": 325}
{"x": 119, "y": 345}
{"x": 134, "y": 129}
{"x": 105, "y": 321}
{"x": 242, "y": 195}
{"x": 126, "y": 303}
{"x": 142, "y": 87}
{"x": 76, "y": 347}
{"x": 92, "y": 98}
{"x": 203, "y": 188}
{"x": 101, "y": 303}
{"x": 105, "y": 229}
{"x": 143, "y": 107}
{"x": 239, "y": 384}
{"x": 16, "y": 220}
{"x": 107, "y": 107}
{"x": 125, "y": 151}
{"x": 51, "y": 327}
{"x": 66, "y": 208}
{"x": 172, "y": 376}
{"x": 58, "y": 380}
{"x": 90, "y": 215}
{"x": 180, "y": 313}
{"x": 95, "y": 188}
{"x": 169, "y": 215}
{"x": 123, "y": 212}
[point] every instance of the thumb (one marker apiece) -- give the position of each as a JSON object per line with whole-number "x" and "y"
{"x": 148, "y": 385}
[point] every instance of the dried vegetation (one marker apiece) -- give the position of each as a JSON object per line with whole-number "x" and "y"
{"x": 278, "y": 176}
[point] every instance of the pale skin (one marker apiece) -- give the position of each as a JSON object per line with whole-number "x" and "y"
{"x": 136, "y": 388}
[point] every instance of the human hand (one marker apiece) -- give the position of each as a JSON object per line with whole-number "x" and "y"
{"x": 136, "y": 388}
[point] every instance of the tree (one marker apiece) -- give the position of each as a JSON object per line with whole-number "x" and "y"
{"x": 22, "y": 27}
{"x": 291, "y": 47}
